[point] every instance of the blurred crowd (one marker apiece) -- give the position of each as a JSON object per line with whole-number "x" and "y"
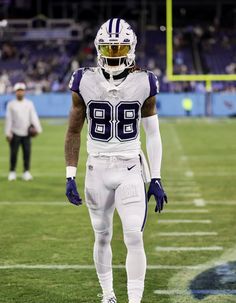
{"x": 196, "y": 50}
{"x": 46, "y": 66}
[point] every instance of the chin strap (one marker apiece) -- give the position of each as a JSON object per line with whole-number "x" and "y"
{"x": 116, "y": 77}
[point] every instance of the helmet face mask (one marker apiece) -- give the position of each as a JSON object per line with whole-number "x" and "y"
{"x": 115, "y": 44}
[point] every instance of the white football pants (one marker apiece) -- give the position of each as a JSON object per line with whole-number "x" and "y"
{"x": 110, "y": 183}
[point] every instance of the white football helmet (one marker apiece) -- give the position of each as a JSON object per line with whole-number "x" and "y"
{"x": 115, "y": 44}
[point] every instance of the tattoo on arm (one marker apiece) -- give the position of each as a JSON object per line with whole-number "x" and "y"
{"x": 76, "y": 121}
{"x": 149, "y": 107}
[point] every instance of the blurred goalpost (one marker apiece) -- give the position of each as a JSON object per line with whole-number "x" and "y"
{"x": 169, "y": 58}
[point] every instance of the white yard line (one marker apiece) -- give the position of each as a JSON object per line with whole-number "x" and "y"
{"x": 216, "y": 156}
{"x": 87, "y": 266}
{"x": 185, "y": 292}
{"x": 176, "y": 140}
{"x": 188, "y": 248}
{"x": 215, "y": 174}
{"x": 34, "y": 203}
{"x": 189, "y": 173}
{"x": 182, "y": 182}
{"x": 222, "y": 203}
{"x": 199, "y": 202}
{"x": 177, "y": 188}
{"x": 60, "y": 174}
{"x": 63, "y": 203}
{"x": 188, "y": 195}
{"x": 184, "y": 221}
{"x": 186, "y": 211}
{"x": 187, "y": 234}
{"x": 178, "y": 202}
{"x": 173, "y": 203}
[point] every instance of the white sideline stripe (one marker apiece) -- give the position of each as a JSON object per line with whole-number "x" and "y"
{"x": 87, "y": 266}
{"x": 187, "y": 234}
{"x": 185, "y": 211}
{"x": 184, "y": 221}
{"x": 188, "y": 248}
{"x": 195, "y": 291}
{"x": 199, "y": 202}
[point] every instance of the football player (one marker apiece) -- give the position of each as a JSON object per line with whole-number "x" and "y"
{"x": 115, "y": 98}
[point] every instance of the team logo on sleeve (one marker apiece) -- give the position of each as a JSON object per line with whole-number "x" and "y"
{"x": 72, "y": 80}
{"x": 157, "y": 85}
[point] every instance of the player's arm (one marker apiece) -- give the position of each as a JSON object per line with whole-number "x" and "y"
{"x": 72, "y": 146}
{"x": 73, "y": 135}
{"x": 153, "y": 138}
{"x": 154, "y": 150}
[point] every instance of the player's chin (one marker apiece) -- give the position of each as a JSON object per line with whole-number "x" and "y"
{"x": 115, "y": 62}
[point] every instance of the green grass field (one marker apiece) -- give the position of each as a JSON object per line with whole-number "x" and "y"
{"x": 39, "y": 228}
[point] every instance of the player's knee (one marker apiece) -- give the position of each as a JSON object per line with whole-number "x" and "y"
{"x": 103, "y": 238}
{"x": 133, "y": 240}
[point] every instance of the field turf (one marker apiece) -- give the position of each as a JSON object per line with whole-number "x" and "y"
{"x": 46, "y": 243}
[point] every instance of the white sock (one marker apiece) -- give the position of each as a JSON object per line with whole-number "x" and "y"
{"x": 106, "y": 282}
{"x": 103, "y": 261}
{"x": 135, "y": 291}
{"x": 135, "y": 265}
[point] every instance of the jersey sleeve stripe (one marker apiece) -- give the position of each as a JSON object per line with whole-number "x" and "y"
{"x": 153, "y": 84}
{"x": 75, "y": 81}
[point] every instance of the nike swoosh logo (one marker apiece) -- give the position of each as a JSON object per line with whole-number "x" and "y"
{"x": 129, "y": 168}
{"x": 158, "y": 183}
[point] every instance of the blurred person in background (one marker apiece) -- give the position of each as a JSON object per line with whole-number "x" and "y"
{"x": 21, "y": 124}
{"x": 187, "y": 105}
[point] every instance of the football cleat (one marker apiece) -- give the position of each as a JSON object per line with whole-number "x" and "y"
{"x": 111, "y": 298}
{"x": 115, "y": 43}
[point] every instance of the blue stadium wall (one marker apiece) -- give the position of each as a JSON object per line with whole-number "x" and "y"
{"x": 168, "y": 104}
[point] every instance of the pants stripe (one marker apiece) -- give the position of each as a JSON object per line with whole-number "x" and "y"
{"x": 145, "y": 216}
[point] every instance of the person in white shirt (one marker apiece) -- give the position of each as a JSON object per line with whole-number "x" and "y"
{"x": 22, "y": 122}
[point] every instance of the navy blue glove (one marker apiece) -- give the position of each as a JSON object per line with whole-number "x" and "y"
{"x": 156, "y": 189}
{"x": 72, "y": 193}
